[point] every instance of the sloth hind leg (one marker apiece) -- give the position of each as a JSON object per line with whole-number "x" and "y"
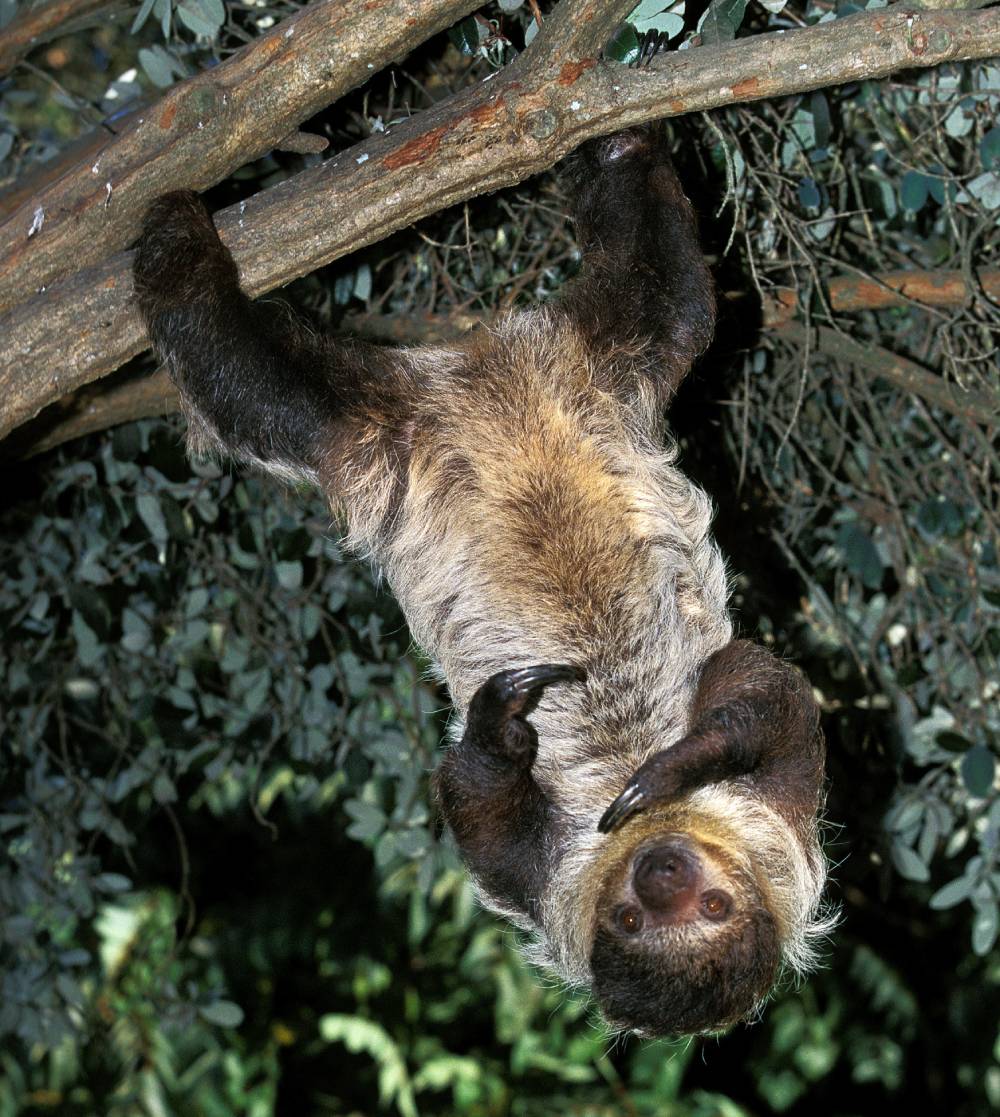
{"x": 256, "y": 382}
{"x": 644, "y": 284}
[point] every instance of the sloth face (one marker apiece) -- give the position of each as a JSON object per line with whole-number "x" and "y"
{"x": 684, "y": 940}
{"x": 672, "y": 882}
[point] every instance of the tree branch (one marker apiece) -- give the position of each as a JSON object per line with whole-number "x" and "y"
{"x": 37, "y": 25}
{"x": 973, "y": 405}
{"x": 96, "y": 407}
{"x": 205, "y": 128}
{"x": 574, "y": 33}
{"x": 492, "y": 135}
{"x": 847, "y": 293}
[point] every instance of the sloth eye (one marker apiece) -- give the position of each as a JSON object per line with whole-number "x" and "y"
{"x": 630, "y": 920}
{"x": 716, "y": 904}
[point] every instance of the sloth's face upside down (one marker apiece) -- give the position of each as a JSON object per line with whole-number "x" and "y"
{"x": 626, "y": 782}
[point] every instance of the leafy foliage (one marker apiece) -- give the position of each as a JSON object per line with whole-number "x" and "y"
{"x": 888, "y": 510}
{"x": 224, "y": 891}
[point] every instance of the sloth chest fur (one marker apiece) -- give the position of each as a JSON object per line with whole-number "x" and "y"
{"x": 542, "y": 523}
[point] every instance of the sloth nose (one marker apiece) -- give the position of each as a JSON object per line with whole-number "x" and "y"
{"x": 664, "y": 876}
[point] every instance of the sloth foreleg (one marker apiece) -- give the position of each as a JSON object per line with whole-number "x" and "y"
{"x": 753, "y": 718}
{"x": 488, "y": 794}
{"x": 255, "y": 381}
{"x": 644, "y": 288}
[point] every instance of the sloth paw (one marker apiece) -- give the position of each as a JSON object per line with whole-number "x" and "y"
{"x": 179, "y": 255}
{"x": 660, "y": 779}
{"x": 497, "y": 720}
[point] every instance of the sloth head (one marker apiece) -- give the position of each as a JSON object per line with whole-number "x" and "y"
{"x": 696, "y": 913}
{"x": 684, "y": 940}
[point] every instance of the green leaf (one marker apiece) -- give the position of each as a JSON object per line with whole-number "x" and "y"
{"x": 989, "y": 149}
{"x": 112, "y": 882}
{"x": 289, "y": 575}
{"x": 364, "y": 1036}
{"x": 163, "y": 789}
{"x": 467, "y": 35}
{"x": 954, "y": 892}
{"x": 141, "y": 16}
{"x": 822, "y": 125}
{"x": 624, "y": 47}
{"x": 986, "y": 188}
{"x": 985, "y": 925}
{"x": 362, "y": 283}
{"x": 809, "y": 195}
{"x": 203, "y": 17}
{"x": 89, "y": 650}
{"x": 161, "y": 67}
{"x": 136, "y": 631}
{"x": 860, "y": 554}
{"x": 652, "y": 15}
{"x": 721, "y": 21}
{"x": 820, "y": 230}
{"x": 940, "y": 516}
{"x": 908, "y": 863}
{"x": 913, "y": 191}
{"x": 952, "y": 742}
{"x": 413, "y": 843}
{"x": 369, "y": 820}
{"x": 905, "y": 814}
{"x": 225, "y": 1014}
{"x": 960, "y": 122}
{"x": 148, "y": 507}
{"x": 978, "y": 769}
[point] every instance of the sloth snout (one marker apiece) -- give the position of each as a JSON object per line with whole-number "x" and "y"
{"x": 666, "y": 876}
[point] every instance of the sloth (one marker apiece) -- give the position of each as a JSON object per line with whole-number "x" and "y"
{"x": 631, "y": 786}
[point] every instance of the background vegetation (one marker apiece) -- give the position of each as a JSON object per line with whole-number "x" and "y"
{"x": 223, "y": 887}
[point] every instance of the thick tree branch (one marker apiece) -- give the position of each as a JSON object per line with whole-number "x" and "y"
{"x": 574, "y": 33}
{"x": 206, "y": 127}
{"x": 105, "y": 404}
{"x": 41, "y": 23}
{"x": 94, "y": 407}
{"x": 492, "y": 135}
{"x": 849, "y": 293}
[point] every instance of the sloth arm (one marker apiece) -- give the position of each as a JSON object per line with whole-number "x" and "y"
{"x": 255, "y": 381}
{"x": 501, "y": 819}
{"x": 753, "y": 718}
{"x": 644, "y": 297}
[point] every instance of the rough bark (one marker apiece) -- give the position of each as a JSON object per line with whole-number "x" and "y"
{"x": 492, "y": 135}
{"x": 204, "y": 128}
{"x": 848, "y": 293}
{"x": 37, "y": 25}
{"x": 98, "y": 406}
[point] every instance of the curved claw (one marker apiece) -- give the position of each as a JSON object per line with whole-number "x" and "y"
{"x": 497, "y": 719}
{"x": 630, "y": 802}
{"x": 651, "y": 44}
{"x": 542, "y": 675}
